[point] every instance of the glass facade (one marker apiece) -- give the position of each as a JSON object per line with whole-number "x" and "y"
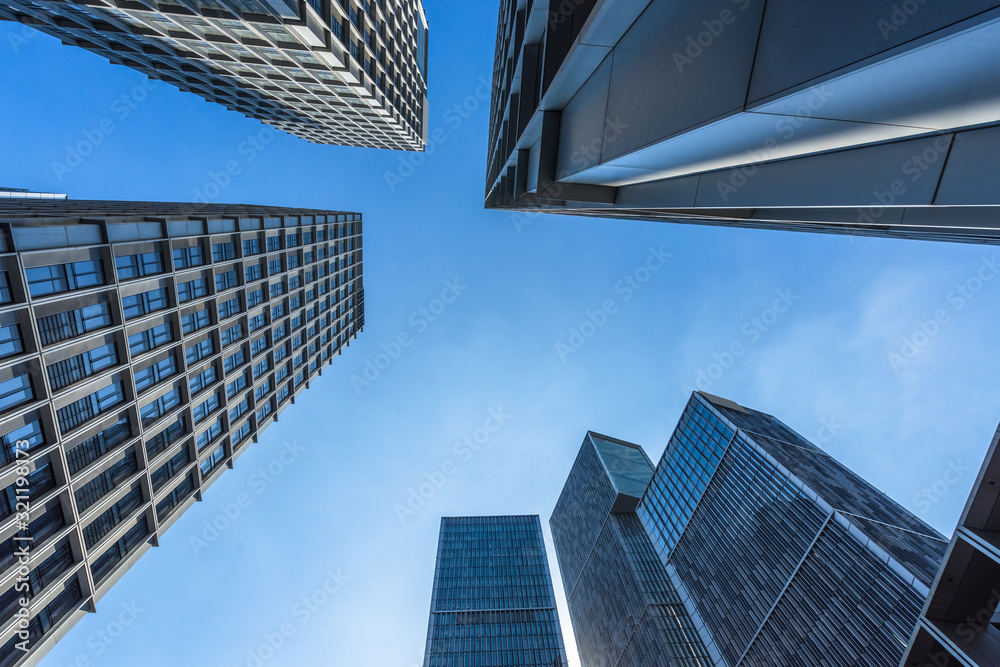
{"x": 785, "y": 555}
{"x": 748, "y": 546}
{"x": 624, "y": 608}
{"x": 493, "y": 603}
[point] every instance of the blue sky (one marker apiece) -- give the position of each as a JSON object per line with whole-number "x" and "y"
{"x": 504, "y": 348}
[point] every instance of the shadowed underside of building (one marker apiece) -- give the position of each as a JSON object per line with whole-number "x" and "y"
{"x": 859, "y": 117}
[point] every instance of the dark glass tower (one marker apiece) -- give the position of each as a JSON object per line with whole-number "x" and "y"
{"x": 625, "y": 610}
{"x": 778, "y": 555}
{"x": 493, "y": 604}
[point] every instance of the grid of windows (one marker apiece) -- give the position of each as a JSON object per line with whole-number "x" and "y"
{"x": 177, "y": 404}
{"x": 493, "y": 603}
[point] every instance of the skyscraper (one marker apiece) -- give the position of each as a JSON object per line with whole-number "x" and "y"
{"x": 143, "y": 347}
{"x": 751, "y": 114}
{"x": 958, "y": 625}
{"x": 352, "y": 72}
{"x": 493, "y": 604}
{"x": 624, "y": 609}
{"x": 778, "y": 555}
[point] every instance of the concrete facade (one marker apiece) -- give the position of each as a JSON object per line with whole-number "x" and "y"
{"x": 143, "y": 347}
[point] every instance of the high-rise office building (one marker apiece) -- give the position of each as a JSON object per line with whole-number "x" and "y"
{"x": 778, "y": 555}
{"x": 352, "y": 72}
{"x": 872, "y": 117}
{"x": 624, "y": 609}
{"x": 493, "y": 604}
{"x": 959, "y": 623}
{"x": 143, "y": 347}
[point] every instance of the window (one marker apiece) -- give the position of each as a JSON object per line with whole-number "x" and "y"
{"x": 281, "y": 374}
{"x": 308, "y": 257}
{"x": 106, "y": 482}
{"x": 185, "y": 258}
{"x": 239, "y": 410}
{"x": 320, "y": 234}
{"x": 234, "y": 360}
{"x": 294, "y": 303}
{"x": 114, "y": 515}
{"x": 213, "y": 432}
{"x": 93, "y": 448}
{"x": 258, "y": 346}
{"x": 5, "y": 294}
{"x": 283, "y": 393}
{"x": 163, "y": 474}
{"x": 68, "y": 371}
{"x": 297, "y": 341}
{"x": 83, "y": 410}
{"x": 263, "y": 411}
{"x": 261, "y": 368}
{"x": 145, "y": 303}
{"x": 294, "y": 282}
{"x": 232, "y": 334}
{"x": 241, "y": 433}
{"x": 202, "y": 380}
{"x": 293, "y": 261}
{"x": 281, "y": 331}
{"x": 280, "y": 352}
{"x": 150, "y": 338}
{"x": 274, "y": 267}
{"x": 251, "y": 247}
{"x": 254, "y": 297}
{"x": 229, "y": 308}
{"x": 227, "y": 280}
{"x": 196, "y": 320}
{"x": 223, "y": 251}
{"x": 278, "y": 289}
{"x": 253, "y": 272}
{"x": 273, "y": 243}
{"x": 261, "y": 391}
{"x": 45, "y": 280}
{"x": 174, "y": 498}
{"x": 10, "y": 340}
{"x": 213, "y": 461}
{"x": 236, "y": 385}
{"x": 300, "y": 378}
{"x": 168, "y": 436}
{"x": 292, "y": 240}
{"x": 257, "y": 321}
{"x": 199, "y": 351}
{"x": 30, "y": 433}
{"x": 15, "y": 391}
{"x": 106, "y": 562}
{"x": 192, "y": 289}
{"x": 151, "y": 375}
{"x": 151, "y": 412}
{"x": 205, "y": 408}
{"x": 136, "y": 266}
